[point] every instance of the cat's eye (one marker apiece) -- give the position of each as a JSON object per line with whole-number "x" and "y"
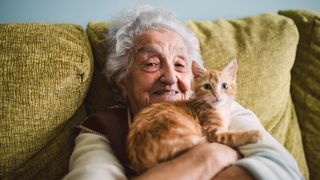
{"x": 224, "y": 86}
{"x": 207, "y": 86}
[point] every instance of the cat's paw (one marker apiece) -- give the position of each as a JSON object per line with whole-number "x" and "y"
{"x": 210, "y": 133}
{"x": 251, "y": 136}
{"x": 256, "y": 136}
{"x": 211, "y": 136}
{"x": 239, "y": 138}
{"x": 210, "y": 130}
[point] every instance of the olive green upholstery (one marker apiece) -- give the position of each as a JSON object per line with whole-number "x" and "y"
{"x": 305, "y": 84}
{"x": 45, "y": 74}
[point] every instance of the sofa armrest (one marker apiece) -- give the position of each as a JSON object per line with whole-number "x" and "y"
{"x": 45, "y": 72}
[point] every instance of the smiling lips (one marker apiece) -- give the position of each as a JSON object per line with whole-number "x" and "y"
{"x": 166, "y": 92}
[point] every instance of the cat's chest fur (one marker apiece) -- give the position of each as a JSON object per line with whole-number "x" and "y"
{"x": 204, "y": 110}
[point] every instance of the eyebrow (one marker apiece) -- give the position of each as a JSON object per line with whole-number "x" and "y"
{"x": 150, "y": 49}
{"x": 147, "y": 49}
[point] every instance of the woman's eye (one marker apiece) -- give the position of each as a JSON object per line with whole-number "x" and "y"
{"x": 151, "y": 67}
{"x": 207, "y": 86}
{"x": 152, "y": 64}
{"x": 179, "y": 65}
{"x": 224, "y": 86}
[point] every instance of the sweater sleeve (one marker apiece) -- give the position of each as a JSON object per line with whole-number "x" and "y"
{"x": 267, "y": 159}
{"x": 93, "y": 159}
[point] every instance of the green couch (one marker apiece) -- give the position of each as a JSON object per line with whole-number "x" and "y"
{"x": 50, "y": 79}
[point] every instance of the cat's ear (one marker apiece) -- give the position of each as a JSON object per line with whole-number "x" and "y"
{"x": 198, "y": 70}
{"x": 231, "y": 69}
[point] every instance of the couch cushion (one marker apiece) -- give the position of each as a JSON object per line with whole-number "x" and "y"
{"x": 265, "y": 47}
{"x": 45, "y": 73}
{"x": 306, "y": 84}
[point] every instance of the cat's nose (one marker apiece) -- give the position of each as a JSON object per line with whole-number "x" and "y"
{"x": 216, "y": 98}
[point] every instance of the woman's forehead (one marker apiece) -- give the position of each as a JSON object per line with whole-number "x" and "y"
{"x": 159, "y": 36}
{"x": 156, "y": 39}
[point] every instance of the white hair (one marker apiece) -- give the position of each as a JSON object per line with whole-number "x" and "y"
{"x": 131, "y": 24}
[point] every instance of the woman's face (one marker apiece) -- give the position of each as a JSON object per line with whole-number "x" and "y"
{"x": 161, "y": 70}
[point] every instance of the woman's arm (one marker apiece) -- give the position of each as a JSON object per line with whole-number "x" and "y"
{"x": 92, "y": 158}
{"x": 234, "y": 172}
{"x": 201, "y": 162}
{"x": 264, "y": 160}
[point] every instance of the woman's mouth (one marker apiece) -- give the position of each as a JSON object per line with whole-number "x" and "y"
{"x": 166, "y": 92}
{"x": 165, "y": 95}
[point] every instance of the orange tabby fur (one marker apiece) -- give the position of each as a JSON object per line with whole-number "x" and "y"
{"x": 162, "y": 131}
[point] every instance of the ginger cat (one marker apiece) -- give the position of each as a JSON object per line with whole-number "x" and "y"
{"x": 165, "y": 130}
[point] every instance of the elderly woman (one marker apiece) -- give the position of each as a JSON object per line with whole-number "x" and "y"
{"x": 150, "y": 58}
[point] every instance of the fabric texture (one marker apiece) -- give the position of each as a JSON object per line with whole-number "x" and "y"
{"x": 94, "y": 159}
{"x": 267, "y": 159}
{"x": 45, "y": 74}
{"x": 100, "y": 96}
{"x": 305, "y": 86}
{"x": 265, "y": 48}
{"x": 113, "y": 124}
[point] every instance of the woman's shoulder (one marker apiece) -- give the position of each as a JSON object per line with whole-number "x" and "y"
{"x": 103, "y": 122}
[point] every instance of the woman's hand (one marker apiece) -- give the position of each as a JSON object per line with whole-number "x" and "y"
{"x": 203, "y": 161}
{"x": 218, "y": 156}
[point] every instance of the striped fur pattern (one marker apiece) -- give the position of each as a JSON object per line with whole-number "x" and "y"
{"x": 165, "y": 130}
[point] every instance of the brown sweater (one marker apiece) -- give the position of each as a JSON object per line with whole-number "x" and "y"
{"x": 113, "y": 124}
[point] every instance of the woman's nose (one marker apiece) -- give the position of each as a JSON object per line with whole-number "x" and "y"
{"x": 168, "y": 75}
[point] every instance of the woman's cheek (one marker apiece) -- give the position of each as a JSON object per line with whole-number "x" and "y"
{"x": 184, "y": 84}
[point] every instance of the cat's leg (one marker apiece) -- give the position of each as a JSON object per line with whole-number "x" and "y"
{"x": 212, "y": 125}
{"x": 238, "y": 138}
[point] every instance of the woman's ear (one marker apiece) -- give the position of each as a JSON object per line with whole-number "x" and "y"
{"x": 231, "y": 69}
{"x": 197, "y": 70}
{"x": 122, "y": 85}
